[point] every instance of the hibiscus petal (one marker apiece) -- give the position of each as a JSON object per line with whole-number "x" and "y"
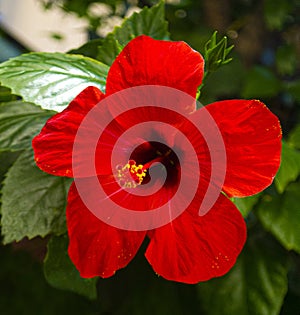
{"x": 53, "y": 145}
{"x": 145, "y": 61}
{"x": 252, "y": 138}
{"x": 97, "y": 249}
{"x": 196, "y": 248}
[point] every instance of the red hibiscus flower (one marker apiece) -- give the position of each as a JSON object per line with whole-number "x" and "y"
{"x": 190, "y": 247}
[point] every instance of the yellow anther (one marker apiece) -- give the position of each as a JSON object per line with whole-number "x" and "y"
{"x": 130, "y": 175}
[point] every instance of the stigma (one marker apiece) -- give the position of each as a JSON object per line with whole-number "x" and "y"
{"x": 130, "y": 175}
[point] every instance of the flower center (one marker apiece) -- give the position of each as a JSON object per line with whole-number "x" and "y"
{"x": 130, "y": 175}
{"x": 136, "y": 173}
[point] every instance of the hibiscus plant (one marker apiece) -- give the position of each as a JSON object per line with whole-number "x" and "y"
{"x": 112, "y": 158}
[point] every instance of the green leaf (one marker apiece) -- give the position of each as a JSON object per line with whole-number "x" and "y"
{"x": 260, "y": 82}
{"x": 62, "y": 274}
{"x": 51, "y": 80}
{"x": 280, "y": 214}
{"x": 294, "y": 137}
{"x": 256, "y": 285}
{"x": 19, "y": 122}
{"x": 245, "y": 205}
{"x": 5, "y": 95}
{"x": 110, "y": 49}
{"x": 7, "y": 158}
{"x": 89, "y": 49}
{"x": 150, "y": 21}
{"x": 289, "y": 169}
{"x": 33, "y": 202}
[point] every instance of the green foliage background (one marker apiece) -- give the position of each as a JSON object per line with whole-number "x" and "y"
{"x": 266, "y": 278}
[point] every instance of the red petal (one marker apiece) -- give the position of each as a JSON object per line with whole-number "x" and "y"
{"x": 148, "y": 201}
{"x": 192, "y": 248}
{"x": 131, "y": 129}
{"x": 246, "y": 153}
{"x": 252, "y": 138}
{"x": 53, "y": 146}
{"x": 145, "y": 61}
{"x": 97, "y": 249}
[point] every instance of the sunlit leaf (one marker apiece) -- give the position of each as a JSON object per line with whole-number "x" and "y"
{"x": 51, "y": 80}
